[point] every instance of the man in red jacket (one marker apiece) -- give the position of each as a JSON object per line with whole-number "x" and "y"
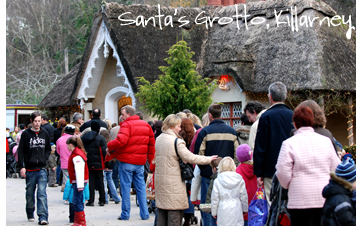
{"x": 134, "y": 144}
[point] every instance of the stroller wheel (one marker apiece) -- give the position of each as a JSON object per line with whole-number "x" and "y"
{"x": 136, "y": 201}
{"x": 195, "y": 220}
{"x": 150, "y": 210}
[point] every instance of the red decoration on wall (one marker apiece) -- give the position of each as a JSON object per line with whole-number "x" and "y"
{"x": 224, "y": 82}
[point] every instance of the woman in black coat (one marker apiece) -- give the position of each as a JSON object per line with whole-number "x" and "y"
{"x": 95, "y": 146}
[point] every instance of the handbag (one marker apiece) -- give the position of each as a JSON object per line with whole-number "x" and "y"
{"x": 185, "y": 170}
{"x": 258, "y": 209}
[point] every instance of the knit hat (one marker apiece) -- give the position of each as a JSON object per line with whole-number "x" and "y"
{"x": 347, "y": 155}
{"x": 69, "y": 129}
{"x": 243, "y": 153}
{"x": 347, "y": 170}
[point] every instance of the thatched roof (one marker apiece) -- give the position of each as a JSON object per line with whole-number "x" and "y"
{"x": 60, "y": 95}
{"x": 314, "y": 58}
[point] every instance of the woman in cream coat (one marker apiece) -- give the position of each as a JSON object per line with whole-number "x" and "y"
{"x": 171, "y": 195}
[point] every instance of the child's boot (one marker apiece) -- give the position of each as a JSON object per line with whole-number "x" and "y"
{"x": 76, "y": 215}
{"x": 81, "y": 218}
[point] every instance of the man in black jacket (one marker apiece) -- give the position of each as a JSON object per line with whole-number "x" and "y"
{"x": 48, "y": 127}
{"x": 273, "y": 128}
{"x": 33, "y": 152}
{"x": 95, "y": 146}
{"x": 96, "y": 114}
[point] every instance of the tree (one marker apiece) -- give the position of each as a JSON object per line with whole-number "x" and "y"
{"x": 179, "y": 88}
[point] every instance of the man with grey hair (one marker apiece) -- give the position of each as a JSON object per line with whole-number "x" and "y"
{"x": 77, "y": 119}
{"x": 273, "y": 128}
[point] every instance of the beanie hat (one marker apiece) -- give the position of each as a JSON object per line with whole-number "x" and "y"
{"x": 69, "y": 129}
{"x": 95, "y": 126}
{"x": 243, "y": 153}
{"x": 347, "y": 170}
{"x": 347, "y": 155}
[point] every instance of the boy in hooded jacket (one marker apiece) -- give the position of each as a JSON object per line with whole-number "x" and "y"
{"x": 338, "y": 208}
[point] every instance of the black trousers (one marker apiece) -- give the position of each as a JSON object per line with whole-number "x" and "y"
{"x": 305, "y": 217}
{"x": 96, "y": 178}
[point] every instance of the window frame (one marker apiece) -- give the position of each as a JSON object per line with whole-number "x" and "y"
{"x": 231, "y": 119}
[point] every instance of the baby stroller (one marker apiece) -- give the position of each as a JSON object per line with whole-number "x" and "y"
{"x": 150, "y": 198}
{"x": 11, "y": 163}
{"x": 278, "y": 214}
{"x": 189, "y": 213}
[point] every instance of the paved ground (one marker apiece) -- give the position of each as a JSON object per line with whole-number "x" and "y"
{"x": 59, "y": 212}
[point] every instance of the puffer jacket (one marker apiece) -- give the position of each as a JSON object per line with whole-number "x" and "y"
{"x": 229, "y": 199}
{"x": 95, "y": 146}
{"x": 170, "y": 190}
{"x": 135, "y": 142}
{"x": 338, "y": 208}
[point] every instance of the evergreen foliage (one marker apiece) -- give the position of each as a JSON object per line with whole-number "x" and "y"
{"x": 179, "y": 88}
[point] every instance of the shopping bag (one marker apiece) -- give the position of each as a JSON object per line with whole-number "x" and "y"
{"x": 258, "y": 209}
{"x": 150, "y": 192}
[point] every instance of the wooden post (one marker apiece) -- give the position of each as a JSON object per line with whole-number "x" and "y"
{"x": 350, "y": 123}
{"x": 66, "y": 60}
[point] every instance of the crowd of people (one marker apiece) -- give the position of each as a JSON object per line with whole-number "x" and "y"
{"x": 229, "y": 164}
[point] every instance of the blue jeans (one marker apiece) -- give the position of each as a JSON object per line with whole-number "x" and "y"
{"x": 58, "y": 172}
{"x": 212, "y": 221}
{"x": 115, "y": 174}
{"x": 204, "y": 189}
{"x": 78, "y": 198}
{"x": 132, "y": 173}
{"x": 36, "y": 179}
{"x": 108, "y": 182}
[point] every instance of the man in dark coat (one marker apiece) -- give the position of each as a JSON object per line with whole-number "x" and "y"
{"x": 48, "y": 127}
{"x": 274, "y": 127}
{"x": 96, "y": 114}
{"x": 95, "y": 146}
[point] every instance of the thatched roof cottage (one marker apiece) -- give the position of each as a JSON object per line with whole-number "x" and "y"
{"x": 276, "y": 40}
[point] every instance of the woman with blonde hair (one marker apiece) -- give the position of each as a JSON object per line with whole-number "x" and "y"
{"x": 182, "y": 115}
{"x": 171, "y": 194}
{"x": 229, "y": 197}
{"x": 108, "y": 123}
{"x": 196, "y": 120}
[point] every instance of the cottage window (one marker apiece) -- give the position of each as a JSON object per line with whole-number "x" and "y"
{"x": 231, "y": 113}
{"x": 123, "y": 101}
